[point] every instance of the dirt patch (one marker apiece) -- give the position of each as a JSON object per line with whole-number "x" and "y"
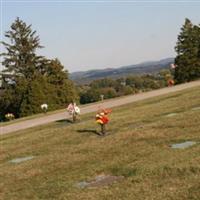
{"x": 99, "y": 181}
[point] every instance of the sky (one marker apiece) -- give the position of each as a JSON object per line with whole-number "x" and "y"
{"x": 101, "y": 34}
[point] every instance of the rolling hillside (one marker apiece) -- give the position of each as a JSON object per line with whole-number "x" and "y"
{"x": 142, "y": 68}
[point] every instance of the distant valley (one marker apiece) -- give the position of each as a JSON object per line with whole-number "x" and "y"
{"x": 82, "y": 77}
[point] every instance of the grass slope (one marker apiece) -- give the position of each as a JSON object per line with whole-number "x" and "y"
{"x": 137, "y": 147}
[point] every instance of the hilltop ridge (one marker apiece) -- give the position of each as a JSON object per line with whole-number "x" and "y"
{"x": 141, "y": 68}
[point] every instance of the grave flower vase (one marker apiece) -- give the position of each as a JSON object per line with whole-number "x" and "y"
{"x": 103, "y": 129}
{"x": 74, "y": 117}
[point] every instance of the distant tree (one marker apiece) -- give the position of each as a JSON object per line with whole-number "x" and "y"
{"x": 164, "y": 76}
{"x": 188, "y": 53}
{"x": 127, "y": 90}
{"x": 91, "y": 95}
{"x": 135, "y": 81}
{"x": 130, "y": 81}
{"x": 108, "y": 92}
{"x": 102, "y": 83}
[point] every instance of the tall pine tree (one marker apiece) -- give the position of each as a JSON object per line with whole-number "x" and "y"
{"x": 33, "y": 79}
{"x": 20, "y": 58}
{"x": 188, "y": 53}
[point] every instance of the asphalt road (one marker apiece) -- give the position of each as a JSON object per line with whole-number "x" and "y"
{"x": 94, "y": 107}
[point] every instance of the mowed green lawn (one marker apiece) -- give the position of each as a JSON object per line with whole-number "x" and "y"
{"x": 137, "y": 146}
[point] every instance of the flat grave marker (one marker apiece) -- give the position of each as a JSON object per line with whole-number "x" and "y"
{"x": 171, "y": 114}
{"x": 196, "y": 108}
{"x": 22, "y": 159}
{"x": 183, "y": 145}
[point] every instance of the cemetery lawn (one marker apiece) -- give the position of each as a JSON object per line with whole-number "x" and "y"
{"x": 138, "y": 147}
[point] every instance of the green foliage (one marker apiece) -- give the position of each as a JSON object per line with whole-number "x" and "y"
{"x": 111, "y": 88}
{"x": 12, "y": 97}
{"x": 108, "y": 92}
{"x": 127, "y": 90}
{"x": 33, "y": 98}
{"x": 92, "y": 95}
{"x": 103, "y": 83}
{"x": 30, "y": 80}
{"x": 63, "y": 89}
{"x": 188, "y": 53}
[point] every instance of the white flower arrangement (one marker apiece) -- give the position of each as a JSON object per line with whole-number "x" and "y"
{"x": 9, "y": 116}
{"x": 44, "y": 107}
{"x": 172, "y": 66}
{"x": 73, "y": 109}
{"x": 77, "y": 110}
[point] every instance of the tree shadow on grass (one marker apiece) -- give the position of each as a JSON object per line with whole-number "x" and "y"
{"x": 89, "y": 131}
{"x": 65, "y": 121}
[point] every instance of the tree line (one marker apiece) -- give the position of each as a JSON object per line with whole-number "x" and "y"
{"x": 110, "y": 88}
{"x": 29, "y": 79}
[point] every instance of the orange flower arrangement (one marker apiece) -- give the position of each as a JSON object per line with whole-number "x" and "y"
{"x": 170, "y": 82}
{"x": 102, "y": 118}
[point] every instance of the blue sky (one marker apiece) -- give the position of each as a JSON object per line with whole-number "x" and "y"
{"x": 100, "y": 34}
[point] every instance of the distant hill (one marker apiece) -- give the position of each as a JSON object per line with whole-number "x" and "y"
{"x": 142, "y": 68}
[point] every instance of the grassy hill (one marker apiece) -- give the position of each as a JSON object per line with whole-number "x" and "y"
{"x": 137, "y": 147}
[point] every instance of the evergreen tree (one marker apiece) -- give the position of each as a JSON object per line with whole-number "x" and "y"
{"x": 188, "y": 53}
{"x": 33, "y": 80}
{"x": 20, "y": 58}
{"x": 63, "y": 88}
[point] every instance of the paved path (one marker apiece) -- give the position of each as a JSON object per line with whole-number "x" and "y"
{"x": 94, "y": 107}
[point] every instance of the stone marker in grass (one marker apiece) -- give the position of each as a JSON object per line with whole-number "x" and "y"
{"x": 171, "y": 114}
{"x": 196, "y": 108}
{"x": 101, "y": 180}
{"x": 23, "y": 159}
{"x": 82, "y": 184}
{"x": 183, "y": 145}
